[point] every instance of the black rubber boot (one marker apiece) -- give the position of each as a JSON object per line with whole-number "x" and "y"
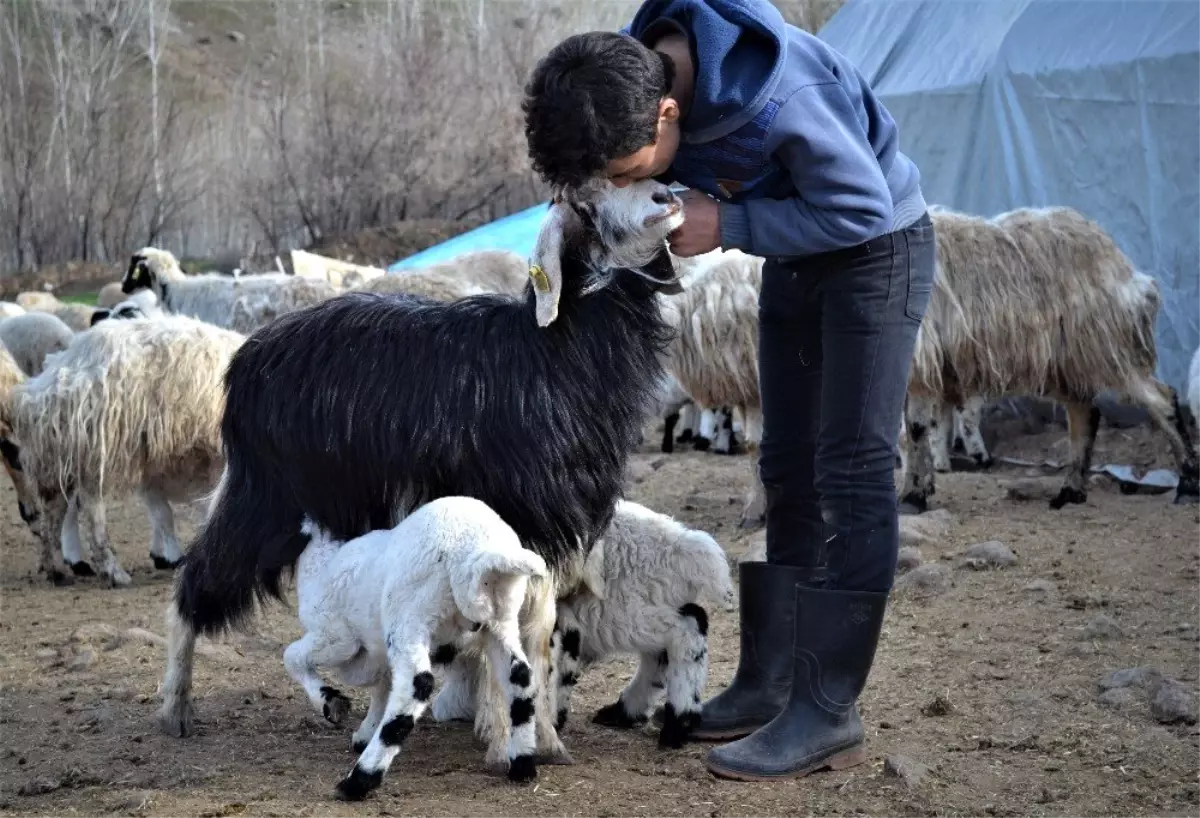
{"x": 819, "y": 728}
{"x": 764, "y": 675}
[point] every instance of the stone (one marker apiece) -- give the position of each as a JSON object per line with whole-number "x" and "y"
{"x": 908, "y": 770}
{"x": 1131, "y": 677}
{"x": 1118, "y": 698}
{"x": 990, "y": 554}
{"x": 82, "y": 660}
{"x": 920, "y": 529}
{"x": 1031, "y": 490}
{"x": 908, "y": 559}
{"x": 1039, "y": 586}
{"x": 39, "y": 786}
{"x": 930, "y": 579}
{"x": 1171, "y": 702}
{"x": 1103, "y": 627}
{"x": 47, "y": 653}
{"x": 939, "y": 705}
{"x": 236, "y": 36}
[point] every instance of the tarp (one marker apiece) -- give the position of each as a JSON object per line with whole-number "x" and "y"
{"x": 517, "y": 233}
{"x": 1093, "y": 104}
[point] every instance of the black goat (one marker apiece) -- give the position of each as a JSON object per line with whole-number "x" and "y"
{"x": 357, "y": 410}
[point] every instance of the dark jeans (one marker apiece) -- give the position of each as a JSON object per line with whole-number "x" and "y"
{"x": 836, "y": 339}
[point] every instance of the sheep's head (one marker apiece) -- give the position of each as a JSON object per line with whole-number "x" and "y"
{"x": 612, "y": 230}
{"x": 125, "y": 310}
{"x": 148, "y": 268}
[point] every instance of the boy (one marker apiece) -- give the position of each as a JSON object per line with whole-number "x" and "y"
{"x": 790, "y": 156}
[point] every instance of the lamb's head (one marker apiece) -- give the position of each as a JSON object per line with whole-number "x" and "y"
{"x": 123, "y": 311}
{"x": 597, "y": 232}
{"x": 150, "y": 268}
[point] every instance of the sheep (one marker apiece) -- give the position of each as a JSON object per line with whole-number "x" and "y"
{"x": 376, "y": 605}
{"x": 1038, "y": 302}
{"x": 31, "y": 300}
{"x": 127, "y": 406}
{"x": 566, "y": 370}
{"x": 110, "y": 295}
{"x": 242, "y": 304}
{"x": 8, "y": 309}
{"x": 142, "y": 304}
{"x": 32, "y": 336}
{"x": 437, "y": 286}
{"x": 76, "y": 316}
{"x": 674, "y": 405}
{"x": 342, "y": 274}
{"x": 11, "y": 376}
{"x": 490, "y": 271}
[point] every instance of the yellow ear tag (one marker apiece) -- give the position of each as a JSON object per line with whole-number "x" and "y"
{"x": 540, "y": 280}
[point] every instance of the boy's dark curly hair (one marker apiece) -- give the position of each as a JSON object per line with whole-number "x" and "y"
{"x": 592, "y": 99}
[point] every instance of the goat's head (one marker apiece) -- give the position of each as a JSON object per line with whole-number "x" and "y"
{"x": 612, "y": 230}
{"x": 148, "y": 268}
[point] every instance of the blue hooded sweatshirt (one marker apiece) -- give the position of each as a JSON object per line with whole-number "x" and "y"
{"x": 783, "y": 131}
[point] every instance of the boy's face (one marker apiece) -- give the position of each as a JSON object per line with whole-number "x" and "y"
{"x": 653, "y": 159}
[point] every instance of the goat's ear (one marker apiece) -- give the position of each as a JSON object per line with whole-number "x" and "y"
{"x": 545, "y": 268}
{"x": 99, "y": 315}
{"x": 662, "y": 270}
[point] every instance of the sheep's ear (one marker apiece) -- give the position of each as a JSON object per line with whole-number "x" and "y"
{"x": 545, "y": 268}
{"x": 593, "y": 570}
{"x": 100, "y": 315}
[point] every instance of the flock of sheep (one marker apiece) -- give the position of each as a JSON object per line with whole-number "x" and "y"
{"x": 366, "y": 437}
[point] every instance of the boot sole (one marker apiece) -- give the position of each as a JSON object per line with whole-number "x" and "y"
{"x": 843, "y": 760}
{"x": 728, "y": 734}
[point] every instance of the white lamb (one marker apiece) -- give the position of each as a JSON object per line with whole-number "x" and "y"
{"x": 31, "y": 337}
{"x": 375, "y": 606}
{"x": 242, "y": 304}
{"x": 10, "y": 308}
{"x": 644, "y": 581}
{"x": 141, "y": 304}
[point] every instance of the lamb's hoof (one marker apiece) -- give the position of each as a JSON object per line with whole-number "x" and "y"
{"x": 357, "y": 785}
{"x": 984, "y": 463}
{"x": 676, "y": 729}
{"x": 522, "y": 769}
{"x": 177, "y": 721}
{"x": 701, "y": 444}
{"x": 1068, "y": 495}
{"x": 161, "y": 563}
{"x": 117, "y": 577}
{"x": 358, "y": 745}
{"x": 614, "y": 715}
{"x": 561, "y": 721}
{"x": 58, "y": 578}
{"x": 668, "y": 447}
{"x": 686, "y": 437}
{"x": 336, "y": 705}
{"x": 1186, "y": 499}
{"x": 82, "y": 569}
{"x": 913, "y": 503}
{"x": 942, "y": 468}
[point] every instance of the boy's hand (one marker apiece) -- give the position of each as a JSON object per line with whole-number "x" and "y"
{"x": 701, "y": 230}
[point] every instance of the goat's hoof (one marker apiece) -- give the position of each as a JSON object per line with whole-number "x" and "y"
{"x": 117, "y": 577}
{"x": 58, "y": 578}
{"x": 1067, "y": 496}
{"x": 913, "y": 503}
{"x": 522, "y": 769}
{"x": 177, "y": 721}
{"x": 357, "y": 785}
{"x": 614, "y": 715}
{"x": 701, "y": 444}
{"x": 336, "y": 706}
{"x": 161, "y": 563}
{"x": 82, "y": 569}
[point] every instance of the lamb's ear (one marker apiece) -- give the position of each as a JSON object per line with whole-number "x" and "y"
{"x": 545, "y": 268}
{"x": 593, "y": 570}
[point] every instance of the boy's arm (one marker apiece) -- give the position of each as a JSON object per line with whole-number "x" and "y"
{"x": 842, "y": 197}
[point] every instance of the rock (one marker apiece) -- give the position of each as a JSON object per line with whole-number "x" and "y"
{"x": 1031, "y": 490}
{"x": 919, "y": 529}
{"x": 143, "y": 635}
{"x": 756, "y": 551}
{"x": 94, "y": 632}
{"x": 990, "y": 554}
{"x": 204, "y": 39}
{"x": 1171, "y": 702}
{"x": 236, "y": 36}
{"x": 1102, "y": 627}
{"x": 908, "y": 770}
{"x": 939, "y": 705}
{"x": 930, "y": 579}
{"x": 39, "y": 786}
{"x": 1118, "y": 698}
{"x": 908, "y": 559}
{"x": 1039, "y": 586}
{"x": 47, "y": 653}
{"x": 1131, "y": 677}
{"x": 82, "y": 660}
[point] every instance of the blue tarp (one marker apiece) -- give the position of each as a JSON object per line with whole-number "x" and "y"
{"x": 1093, "y": 104}
{"x": 517, "y": 233}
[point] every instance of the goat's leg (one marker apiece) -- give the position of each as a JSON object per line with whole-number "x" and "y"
{"x": 49, "y": 527}
{"x": 1083, "y": 422}
{"x": 686, "y": 673}
{"x": 969, "y": 420}
{"x": 102, "y": 553}
{"x": 72, "y": 541}
{"x": 632, "y": 706}
{"x": 941, "y": 426}
{"x": 412, "y": 688}
{"x": 512, "y": 672}
{"x": 175, "y": 718}
{"x": 321, "y": 649}
{"x": 1162, "y": 402}
{"x": 164, "y": 544}
{"x": 918, "y": 473}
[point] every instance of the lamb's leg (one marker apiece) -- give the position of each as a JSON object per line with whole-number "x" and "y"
{"x": 707, "y": 430}
{"x": 632, "y": 706}
{"x": 918, "y": 473}
{"x": 536, "y": 633}
{"x": 687, "y": 422}
{"x": 970, "y": 417}
{"x": 686, "y": 673}
{"x": 380, "y": 691}
{"x": 412, "y": 688}
{"x": 668, "y": 438}
{"x": 321, "y": 649}
{"x": 49, "y": 527}
{"x": 72, "y": 542}
{"x": 725, "y": 442}
{"x": 1162, "y": 402}
{"x": 455, "y": 700}
{"x": 567, "y": 665}
{"x": 102, "y": 553}
{"x": 1083, "y": 422}
{"x": 941, "y": 426}
{"x": 164, "y": 544}
{"x": 514, "y": 675}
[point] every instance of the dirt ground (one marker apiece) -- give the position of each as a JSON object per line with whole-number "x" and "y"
{"x": 1017, "y": 653}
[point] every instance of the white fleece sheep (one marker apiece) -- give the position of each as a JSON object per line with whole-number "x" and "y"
{"x": 110, "y": 295}
{"x": 10, "y": 377}
{"x": 242, "y": 304}
{"x": 374, "y": 607}
{"x": 1039, "y": 302}
{"x": 140, "y": 304}
{"x": 33, "y": 336}
{"x": 10, "y": 308}
{"x": 438, "y": 286}
{"x": 128, "y": 406}
{"x": 644, "y": 581}
{"x": 491, "y": 271}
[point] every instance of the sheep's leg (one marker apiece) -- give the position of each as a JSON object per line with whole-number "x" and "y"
{"x": 164, "y": 544}
{"x": 941, "y": 425}
{"x": 53, "y": 513}
{"x": 512, "y": 672}
{"x": 102, "y": 553}
{"x": 1162, "y": 402}
{"x": 686, "y": 673}
{"x": 72, "y": 542}
{"x": 380, "y": 691}
{"x": 1083, "y": 422}
{"x": 968, "y": 423}
{"x": 321, "y": 649}
{"x": 687, "y": 422}
{"x": 630, "y": 708}
{"x": 412, "y": 688}
{"x": 918, "y": 473}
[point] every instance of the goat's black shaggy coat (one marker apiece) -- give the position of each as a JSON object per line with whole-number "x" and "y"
{"x": 359, "y": 409}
